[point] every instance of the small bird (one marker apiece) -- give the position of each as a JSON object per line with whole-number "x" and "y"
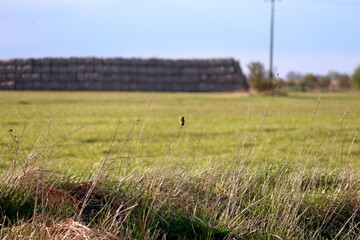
{"x": 182, "y": 121}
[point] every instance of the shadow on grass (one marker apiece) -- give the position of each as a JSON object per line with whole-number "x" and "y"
{"x": 180, "y": 226}
{"x": 15, "y": 206}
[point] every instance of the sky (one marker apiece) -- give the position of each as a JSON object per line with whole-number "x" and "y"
{"x": 311, "y": 36}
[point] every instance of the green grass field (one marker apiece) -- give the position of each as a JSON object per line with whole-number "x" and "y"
{"x": 220, "y": 127}
{"x": 109, "y": 165}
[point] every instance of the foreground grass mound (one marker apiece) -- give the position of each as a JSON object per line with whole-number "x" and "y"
{"x": 272, "y": 203}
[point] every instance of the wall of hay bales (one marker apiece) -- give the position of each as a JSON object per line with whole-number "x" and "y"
{"x": 122, "y": 74}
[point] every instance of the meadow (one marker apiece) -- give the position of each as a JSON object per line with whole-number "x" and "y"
{"x": 219, "y": 126}
{"x": 119, "y": 165}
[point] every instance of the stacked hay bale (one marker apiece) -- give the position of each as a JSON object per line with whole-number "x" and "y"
{"x": 122, "y": 74}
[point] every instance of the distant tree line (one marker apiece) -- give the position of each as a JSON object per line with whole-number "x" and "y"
{"x": 259, "y": 80}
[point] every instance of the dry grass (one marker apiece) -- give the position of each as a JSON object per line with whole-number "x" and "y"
{"x": 68, "y": 229}
{"x": 276, "y": 202}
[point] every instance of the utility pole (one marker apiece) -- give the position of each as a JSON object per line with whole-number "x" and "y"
{"x": 271, "y": 75}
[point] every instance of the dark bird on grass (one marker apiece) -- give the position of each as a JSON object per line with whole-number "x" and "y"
{"x": 182, "y": 121}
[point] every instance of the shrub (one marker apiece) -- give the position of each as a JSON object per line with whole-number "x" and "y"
{"x": 344, "y": 81}
{"x": 257, "y": 78}
{"x": 355, "y": 79}
{"x": 309, "y": 81}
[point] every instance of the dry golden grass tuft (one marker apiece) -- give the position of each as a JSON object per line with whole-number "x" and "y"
{"x": 68, "y": 229}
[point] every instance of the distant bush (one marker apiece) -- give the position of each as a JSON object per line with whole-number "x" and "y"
{"x": 308, "y": 81}
{"x": 355, "y": 79}
{"x": 257, "y": 77}
{"x": 331, "y": 81}
{"x": 344, "y": 81}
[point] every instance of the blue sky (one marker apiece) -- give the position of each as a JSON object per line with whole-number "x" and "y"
{"x": 310, "y": 35}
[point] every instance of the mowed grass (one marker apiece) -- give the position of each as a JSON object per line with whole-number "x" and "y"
{"x": 220, "y": 127}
